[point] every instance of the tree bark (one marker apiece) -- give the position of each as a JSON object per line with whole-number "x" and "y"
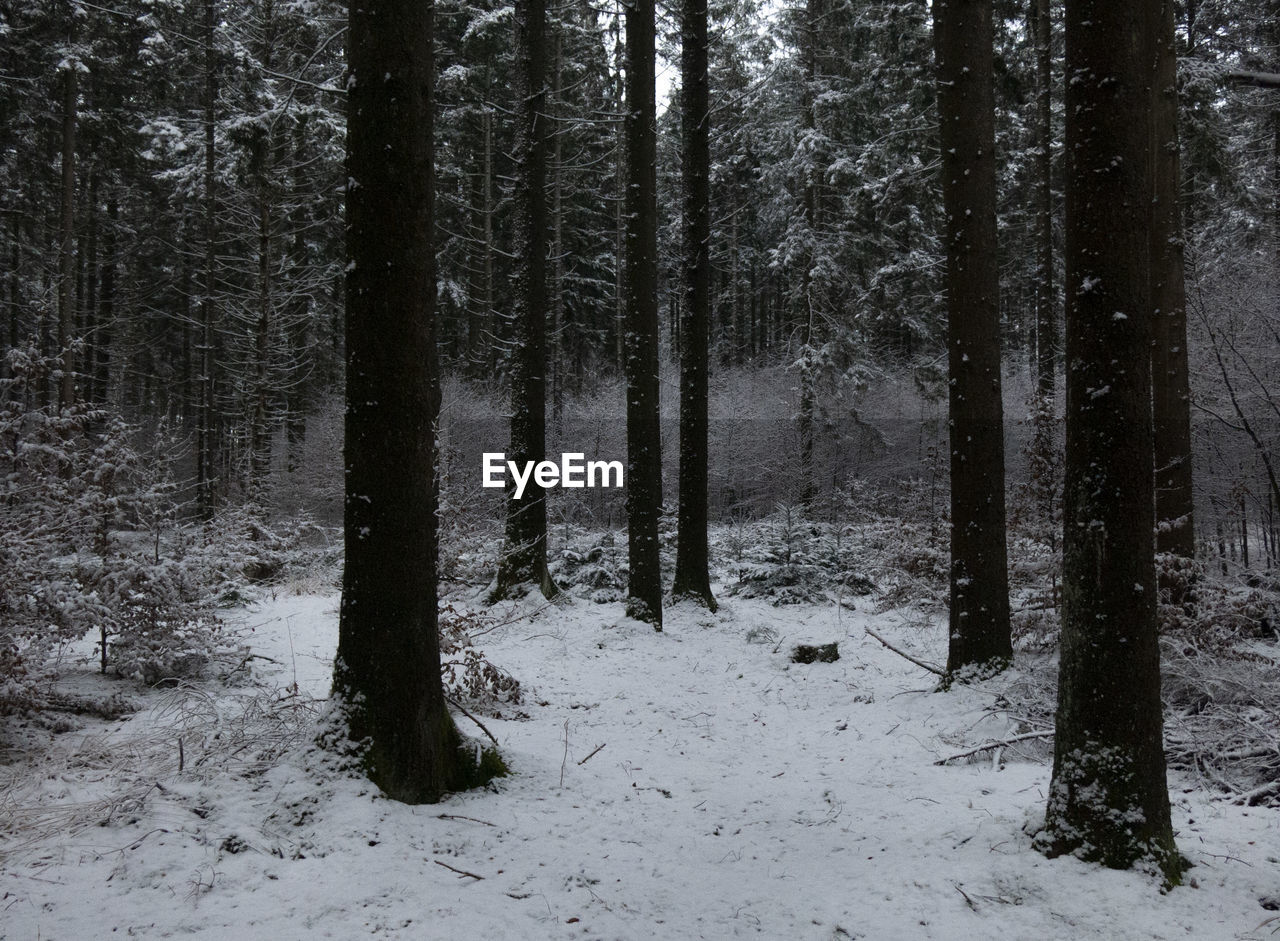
{"x": 979, "y": 621}
{"x": 1171, "y": 390}
{"x": 524, "y": 557}
{"x": 692, "y": 579}
{"x": 644, "y": 457}
{"x": 386, "y": 683}
{"x": 1108, "y": 800}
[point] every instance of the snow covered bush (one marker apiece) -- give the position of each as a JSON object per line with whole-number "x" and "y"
{"x": 81, "y": 519}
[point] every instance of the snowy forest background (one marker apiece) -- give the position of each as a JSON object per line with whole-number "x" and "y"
{"x": 171, "y": 394}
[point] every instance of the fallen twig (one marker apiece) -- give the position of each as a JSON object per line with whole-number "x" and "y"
{"x": 460, "y": 872}
{"x": 460, "y": 817}
{"x": 1003, "y": 743}
{"x": 906, "y": 656}
{"x": 594, "y": 751}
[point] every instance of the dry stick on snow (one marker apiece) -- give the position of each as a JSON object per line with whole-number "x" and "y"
{"x": 460, "y": 872}
{"x": 920, "y": 663}
{"x": 1012, "y": 740}
{"x": 593, "y": 753}
{"x": 460, "y": 817}
{"x": 457, "y": 705}
{"x": 565, "y": 760}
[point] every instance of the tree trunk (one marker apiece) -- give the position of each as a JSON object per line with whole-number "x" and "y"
{"x": 692, "y": 579}
{"x": 204, "y": 426}
{"x": 67, "y": 227}
{"x": 386, "y": 681}
{"x": 644, "y": 458}
{"x": 1171, "y": 389}
{"x": 558, "y": 355}
{"x": 524, "y": 557}
{"x": 979, "y": 621}
{"x": 89, "y": 309}
{"x": 1045, "y": 296}
{"x": 1109, "y": 801}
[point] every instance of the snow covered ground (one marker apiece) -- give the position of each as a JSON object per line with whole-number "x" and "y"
{"x": 736, "y": 795}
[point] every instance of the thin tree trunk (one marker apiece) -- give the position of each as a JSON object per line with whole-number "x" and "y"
{"x": 692, "y": 579}
{"x": 1171, "y": 389}
{"x": 524, "y": 557}
{"x": 491, "y": 316}
{"x": 806, "y": 418}
{"x": 67, "y": 226}
{"x": 1045, "y": 295}
{"x": 979, "y": 622}
{"x": 557, "y": 358}
{"x": 89, "y": 328}
{"x": 644, "y": 457}
{"x": 205, "y": 426}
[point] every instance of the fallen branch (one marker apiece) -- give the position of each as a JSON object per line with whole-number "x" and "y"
{"x": 1012, "y": 740}
{"x": 460, "y": 872}
{"x": 457, "y": 705}
{"x": 593, "y": 753}
{"x": 906, "y": 656}
{"x": 1250, "y": 798}
{"x": 460, "y": 817}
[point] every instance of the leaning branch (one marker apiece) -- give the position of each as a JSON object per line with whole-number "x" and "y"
{"x": 1256, "y": 79}
{"x": 457, "y": 705}
{"x": 906, "y": 656}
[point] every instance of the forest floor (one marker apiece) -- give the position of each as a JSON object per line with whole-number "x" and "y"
{"x": 688, "y": 784}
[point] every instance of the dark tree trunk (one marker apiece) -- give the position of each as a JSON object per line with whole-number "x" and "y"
{"x": 558, "y": 358}
{"x": 1171, "y": 389}
{"x": 979, "y": 623}
{"x": 644, "y": 458}
{"x": 692, "y": 579}
{"x": 67, "y": 229}
{"x": 524, "y": 557}
{"x": 386, "y": 682}
{"x": 806, "y": 419}
{"x": 1045, "y": 296}
{"x": 1108, "y": 801}
{"x": 205, "y": 430}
